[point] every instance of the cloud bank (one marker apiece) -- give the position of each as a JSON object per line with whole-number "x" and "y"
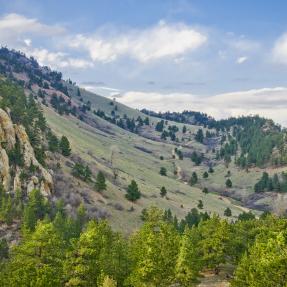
{"x": 163, "y": 40}
{"x": 267, "y": 102}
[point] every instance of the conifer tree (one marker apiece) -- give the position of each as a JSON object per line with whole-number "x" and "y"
{"x": 228, "y": 183}
{"x": 227, "y": 212}
{"x": 133, "y": 192}
{"x": 65, "y": 146}
{"x": 163, "y": 191}
{"x": 189, "y": 262}
{"x": 100, "y": 182}
{"x": 193, "y": 180}
{"x": 163, "y": 171}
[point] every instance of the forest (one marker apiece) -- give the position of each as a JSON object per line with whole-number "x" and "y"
{"x": 59, "y": 250}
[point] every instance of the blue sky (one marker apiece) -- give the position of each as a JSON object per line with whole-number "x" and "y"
{"x": 222, "y": 57}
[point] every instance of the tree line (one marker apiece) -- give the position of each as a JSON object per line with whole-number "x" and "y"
{"x": 57, "y": 250}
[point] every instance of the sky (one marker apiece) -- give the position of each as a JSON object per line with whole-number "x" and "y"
{"x": 225, "y": 58}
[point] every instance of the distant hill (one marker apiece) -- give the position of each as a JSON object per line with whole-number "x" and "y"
{"x": 155, "y": 150}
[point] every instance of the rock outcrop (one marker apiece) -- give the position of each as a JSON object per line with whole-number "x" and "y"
{"x": 9, "y": 132}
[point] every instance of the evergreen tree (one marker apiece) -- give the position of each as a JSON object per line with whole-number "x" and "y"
{"x": 133, "y": 192}
{"x": 199, "y": 136}
{"x": 227, "y": 212}
{"x": 154, "y": 250}
{"x": 205, "y": 174}
{"x": 194, "y": 179}
{"x": 163, "y": 171}
{"x": 265, "y": 263}
{"x": 37, "y": 261}
{"x": 189, "y": 261}
{"x": 98, "y": 251}
{"x": 65, "y": 146}
{"x": 163, "y": 191}
{"x": 100, "y": 182}
{"x": 205, "y": 190}
{"x": 35, "y": 209}
{"x": 200, "y": 204}
{"x": 228, "y": 183}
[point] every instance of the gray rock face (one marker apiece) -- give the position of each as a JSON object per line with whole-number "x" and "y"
{"x": 8, "y": 135}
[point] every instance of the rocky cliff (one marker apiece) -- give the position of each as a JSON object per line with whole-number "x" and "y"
{"x": 22, "y": 177}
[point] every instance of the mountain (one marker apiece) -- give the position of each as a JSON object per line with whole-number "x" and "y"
{"x": 126, "y": 144}
{"x": 189, "y": 194}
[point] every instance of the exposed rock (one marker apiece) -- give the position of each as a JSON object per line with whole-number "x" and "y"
{"x": 7, "y": 132}
{"x": 4, "y": 169}
{"x": 17, "y": 181}
{"x": 46, "y": 184}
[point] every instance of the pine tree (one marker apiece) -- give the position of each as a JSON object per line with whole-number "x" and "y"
{"x": 65, "y": 146}
{"x": 100, "y": 182}
{"x": 163, "y": 171}
{"x": 193, "y": 180}
{"x": 199, "y": 136}
{"x": 228, "y": 183}
{"x": 227, "y": 212}
{"x": 154, "y": 250}
{"x": 200, "y": 204}
{"x": 205, "y": 190}
{"x": 133, "y": 192}
{"x": 163, "y": 191}
{"x": 188, "y": 263}
{"x": 205, "y": 174}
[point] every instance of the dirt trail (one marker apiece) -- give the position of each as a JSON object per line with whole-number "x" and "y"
{"x": 227, "y": 200}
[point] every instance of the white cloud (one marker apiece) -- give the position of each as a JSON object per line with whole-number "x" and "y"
{"x": 280, "y": 50}
{"x": 14, "y": 26}
{"x": 268, "y": 102}
{"x": 241, "y": 60}
{"x": 243, "y": 44}
{"x": 28, "y": 42}
{"x": 157, "y": 42}
{"x": 57, "y": 59}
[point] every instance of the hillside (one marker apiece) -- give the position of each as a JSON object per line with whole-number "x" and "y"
{"x": 126, "y": 144}
{"x": 68, "y": 156}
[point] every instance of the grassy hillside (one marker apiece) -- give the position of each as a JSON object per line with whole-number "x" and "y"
{"x": 134, "y": 158}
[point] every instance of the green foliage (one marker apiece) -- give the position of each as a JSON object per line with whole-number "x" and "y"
{"x": 82, "y": 172}
{"x": 205, "y": 190}
{"x": 200, "y": 204}
{"x": 275, "y": 183}
{"x": 161, "y": 253}
{"x": 244, "y": 216}
{"x": 227, "y": 212}
{"x": 100, "y": 182}
{"x": 133, "y": 192}
{"x": 15, "y": 155}
{"x": 53, "y": 142}
{"x": 199, "y": 136}
{"x": 197, "y": 159}
{"x": 154, "y": 250}
{"x": 65, "y": 146}
{"x": 163, "y": 171}
{"x": 265, "y": 264}
{"x": 194, "y": 179}
{"x": 159, "y": 126}
{"x": 98, "y": 251}
{"x": 228, "y": 183}
{"x": 163, "y": 191}
{"x": 205, "y": 174}
{"x": 189, "y": 263}
{"x": 37, "y": 261}
{"x": 35, "y": 209}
